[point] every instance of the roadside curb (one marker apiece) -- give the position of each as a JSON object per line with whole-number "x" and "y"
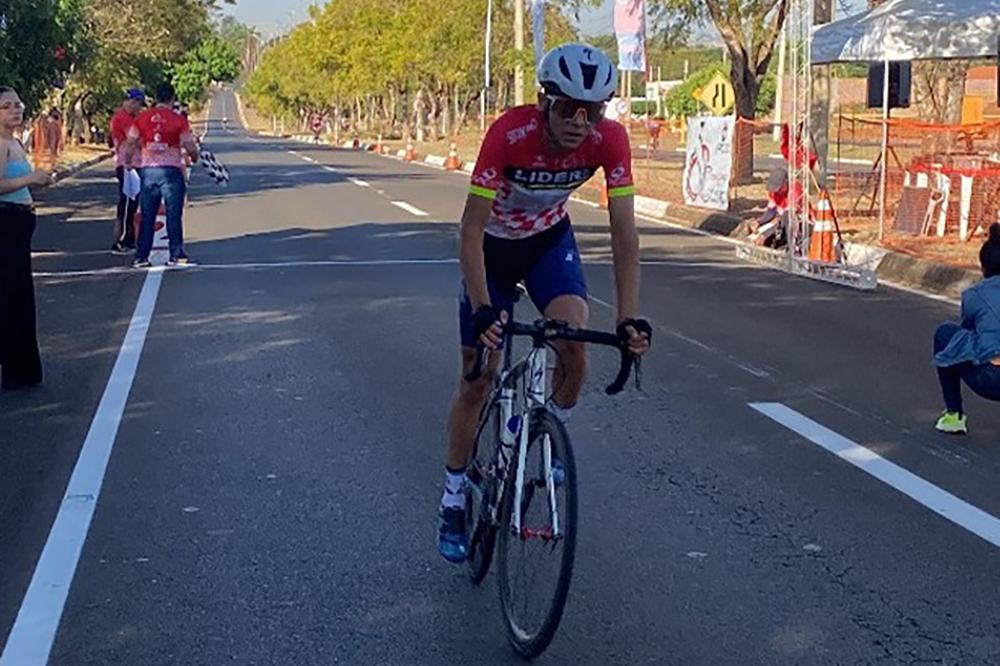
{"x": 80, "y": 166}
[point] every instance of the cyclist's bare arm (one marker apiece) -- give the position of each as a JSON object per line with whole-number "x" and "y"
{"x": 625, "y": 251}
{"x": 470, "y": 253}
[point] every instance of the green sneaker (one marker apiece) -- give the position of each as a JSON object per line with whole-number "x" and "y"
{"x": 952, "y": 423}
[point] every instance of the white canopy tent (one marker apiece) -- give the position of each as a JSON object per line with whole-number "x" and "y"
{"x": 910, "y": 30}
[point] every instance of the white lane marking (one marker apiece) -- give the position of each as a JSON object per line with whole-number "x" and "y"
{"x": 30, "y": 640}
{"x": 756, "y": 372}
{"x": 330, "y": 169}
{"x": 941, "y": 502}
{"x": 101, "y": 272}
{"x": 321, "y": 263}
{"x": 409, "y": 209}
{"x": 292, "y": 152}
{"x": 307, "y": 158}
{"x": 359, "y": 182}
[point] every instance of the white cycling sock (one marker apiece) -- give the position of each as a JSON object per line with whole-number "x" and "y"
{"x": 561, "y": 413}
{"x": 453, "y": 496}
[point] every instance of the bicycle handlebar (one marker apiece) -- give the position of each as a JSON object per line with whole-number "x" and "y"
{"x": 547, "y": 330}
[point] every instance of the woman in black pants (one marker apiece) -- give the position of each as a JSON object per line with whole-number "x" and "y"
{"x": 20, "y": 363}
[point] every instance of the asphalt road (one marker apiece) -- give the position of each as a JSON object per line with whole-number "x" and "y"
{"x": 271, "y": 493}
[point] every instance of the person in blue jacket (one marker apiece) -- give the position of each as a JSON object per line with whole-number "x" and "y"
{"x": 970, "y": 351}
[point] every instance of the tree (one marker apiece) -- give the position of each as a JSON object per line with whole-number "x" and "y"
{"x": 38, "y": 41}
{"x": 211, "y": 60}
{"x": 749, "y": 30}
{"x": 392, "y": 65}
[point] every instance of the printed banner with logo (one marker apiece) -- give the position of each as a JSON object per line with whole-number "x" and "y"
{"x": 538, "y": 29}
{"x": 630, "y": 29}
{"x": 709, "y": 162}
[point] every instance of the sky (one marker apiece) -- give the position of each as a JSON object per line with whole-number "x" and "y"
{"x": 271, "y": 17}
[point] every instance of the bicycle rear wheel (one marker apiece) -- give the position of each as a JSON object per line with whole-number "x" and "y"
{"x": 483, "y": 490}
{"x": 535, "y": 566}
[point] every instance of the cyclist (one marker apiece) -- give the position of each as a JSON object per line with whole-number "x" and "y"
{"x": 515, "y": 227}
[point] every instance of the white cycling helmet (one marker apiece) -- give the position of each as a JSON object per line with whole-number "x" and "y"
{"x": 578, "y": 71}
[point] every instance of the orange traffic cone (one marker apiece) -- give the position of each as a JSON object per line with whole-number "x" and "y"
{"x": 411, "y": 154}
{"x": 452, "y": 163}
{"x": 821, "y": 243}
{"x": 379, "y": 148}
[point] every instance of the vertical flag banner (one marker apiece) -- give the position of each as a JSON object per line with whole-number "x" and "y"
{"x": 538, "y": 29}
{"x": 630, "y": 29}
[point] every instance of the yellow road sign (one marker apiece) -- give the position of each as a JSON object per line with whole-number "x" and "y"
{"x": 718, "y": 95}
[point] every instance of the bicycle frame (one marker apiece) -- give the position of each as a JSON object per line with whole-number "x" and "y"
{"x": 534, "y": 367}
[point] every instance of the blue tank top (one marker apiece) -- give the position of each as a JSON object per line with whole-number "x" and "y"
{"x": 17, "y": 169}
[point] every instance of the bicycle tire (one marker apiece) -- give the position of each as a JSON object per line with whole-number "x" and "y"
{"x": 482, "y": 532}
{"x": 530, "y": 644}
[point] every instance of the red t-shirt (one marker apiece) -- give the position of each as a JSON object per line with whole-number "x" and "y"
{"x": 121, "y": 123}
{"x": 530, "y": 184}
{"x": 161, "y": 132}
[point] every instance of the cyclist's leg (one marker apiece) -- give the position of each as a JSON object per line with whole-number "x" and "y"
{"x": 559, "y": 291}
{"x": 463, "y": 416}
{"x": 468, "y": 399}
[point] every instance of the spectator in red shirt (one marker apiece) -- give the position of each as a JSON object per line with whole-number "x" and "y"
{"x": 164, "y": 136}
{"x": 121, "y": 123}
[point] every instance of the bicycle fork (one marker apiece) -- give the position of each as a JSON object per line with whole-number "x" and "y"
{"x": 536, "y": 397}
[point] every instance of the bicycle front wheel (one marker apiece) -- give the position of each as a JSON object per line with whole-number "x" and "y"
{"x": 483, "y": 489}
{"x": 535, "y": 564}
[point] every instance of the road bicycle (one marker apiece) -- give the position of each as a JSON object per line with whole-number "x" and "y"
{"x": 522, "y": 482}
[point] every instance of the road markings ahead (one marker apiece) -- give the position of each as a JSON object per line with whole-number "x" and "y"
{"x": 409, "y": 209}
{"x": 359, "y": 182}
{"x": 937, "y": 500}
{"x": 30, "y": 640}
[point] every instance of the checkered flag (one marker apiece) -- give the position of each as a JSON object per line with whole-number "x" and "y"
{"x": 217, "y": 171}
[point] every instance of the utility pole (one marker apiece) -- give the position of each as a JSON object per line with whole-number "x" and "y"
{"x": 821, "y": 93}
{"x": 486, "y": 66}
{"x": 519, "y": 47}
{"x": 779, "y": 96}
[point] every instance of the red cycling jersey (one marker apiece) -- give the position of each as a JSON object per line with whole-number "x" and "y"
{"x": 529, "y": 183}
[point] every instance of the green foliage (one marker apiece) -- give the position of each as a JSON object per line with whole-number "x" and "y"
{"x": 392, "y": 49}
{"x": 681, "y": 102}
{"x": 853, "y": 70}
{"x": 38, "y": 42}
{"x": 81, "y": 54}
{"x": 211, "y": 60}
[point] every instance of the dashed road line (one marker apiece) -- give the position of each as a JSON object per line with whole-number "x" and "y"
{"x": 408, "y": 208}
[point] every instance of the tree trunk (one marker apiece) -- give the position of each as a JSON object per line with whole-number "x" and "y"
{"x": 821, "y": 91}
{"x": 939, "y": 90}
{"x": 445, "y": 112}
{"x": 747, "y": 90}
{"x": 435, "y": 115}
{"x": 418, "y": 114}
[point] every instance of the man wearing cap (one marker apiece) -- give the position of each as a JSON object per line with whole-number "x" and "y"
{"x": 121, "y": 123}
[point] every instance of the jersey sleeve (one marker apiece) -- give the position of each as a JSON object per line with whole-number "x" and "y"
{"x": 488, "y": 174}
{"x": 616, "y": 160}
{"x": 119, "y": 132}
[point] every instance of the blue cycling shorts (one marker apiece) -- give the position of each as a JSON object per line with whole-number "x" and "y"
{"x": 548, "y": 262}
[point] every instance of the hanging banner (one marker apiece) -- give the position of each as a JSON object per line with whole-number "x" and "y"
{"x": 538, "y": 29}
{"x": 630, "y": 29}
{"x": 709, "y": 162}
